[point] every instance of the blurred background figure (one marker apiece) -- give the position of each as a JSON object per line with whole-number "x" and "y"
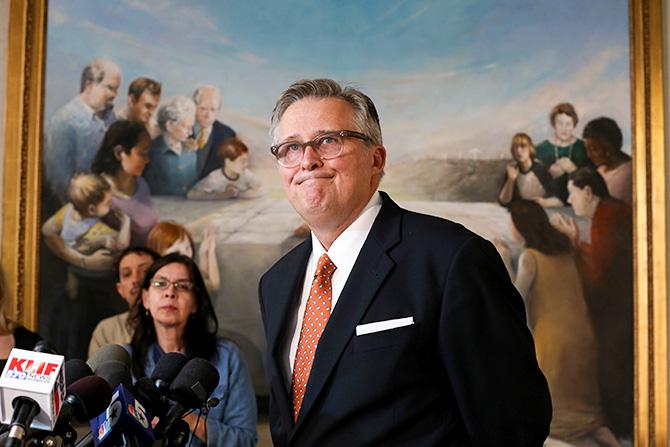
{"x": 170, "y": 237}
{"x": 562, "y": 153}
{"x": 233, "y": 180}
{"x": 12, "y": 334}
{"x": 604, "y": 140}
{"x": 209, "y": 132}
{"x": 525, "y": 178}
{"x": 121, "y": 159}
{"x": 565, "y": 343}
{"x": 606, "y": 267}
{"x": 172, "y": 169}
{"x": 131, "y": 267}
{"x": 144, "y": 94}
{"x": 177, "y": 316}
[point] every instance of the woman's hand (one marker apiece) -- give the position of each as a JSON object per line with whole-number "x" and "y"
{"x": 200, "y": 431}
{"x": 512, "y": 171}
{"x": 567, "y": 165}
{"x": 567, "y": 226}
{"x": 556, "y": 170}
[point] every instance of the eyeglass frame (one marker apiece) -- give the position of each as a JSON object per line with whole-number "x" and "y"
{"x": 172, "y": 284}
{"x": 341, "y": 133}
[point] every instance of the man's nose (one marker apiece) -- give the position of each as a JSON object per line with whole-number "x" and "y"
{"x": 310, "y": 159}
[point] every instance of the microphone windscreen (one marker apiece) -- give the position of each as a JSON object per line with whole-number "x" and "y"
{"x": 194, "y": 383}
{"x": 42, "y": 346}
{"x": 146, "y": 392}
{"x": 75, "y": 369}
{"x": 168, "y": 366}
{"x": 109, "y": 352}
{"x": 94, "y": 394}
{"x": 114, "y": 373}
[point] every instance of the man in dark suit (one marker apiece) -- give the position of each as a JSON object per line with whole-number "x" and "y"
{"x": 387, "y": 327}
{"x": 208, "y": 131}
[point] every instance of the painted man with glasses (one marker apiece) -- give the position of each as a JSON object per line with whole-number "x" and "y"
{"x": 386, "y": 327}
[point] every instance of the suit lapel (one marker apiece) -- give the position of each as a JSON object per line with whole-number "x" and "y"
{"x": 284, "y": 301}
{"x": 370, "y": 270}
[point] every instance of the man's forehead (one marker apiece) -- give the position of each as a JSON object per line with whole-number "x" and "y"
{"x": 132, "y": 259}
{"x": 315, "y": 115}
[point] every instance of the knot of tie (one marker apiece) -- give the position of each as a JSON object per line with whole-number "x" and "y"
{"x": 325, "y": 266}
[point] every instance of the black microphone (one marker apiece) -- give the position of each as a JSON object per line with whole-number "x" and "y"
{"x": 75, "y": 369}
{"x": 43, "y": 346}
{"x": 166, "y": 369}
{"x": 195, "y": 383}
{"x": 107, "y": 353}
{"x": 25, "y": 410}
{"x": 115, "y": 373}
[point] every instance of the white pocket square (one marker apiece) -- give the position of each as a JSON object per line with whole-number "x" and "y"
{"x": 385, "y": 325}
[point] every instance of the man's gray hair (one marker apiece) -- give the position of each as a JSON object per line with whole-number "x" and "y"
{"x": 198, "y": 92}
{"x": 366, "y": 118}
{"x": 95, "y": 72}
{"x": 174, "y": 109}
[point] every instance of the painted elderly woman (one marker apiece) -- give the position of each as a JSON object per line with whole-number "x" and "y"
{"x": 172, "y": 169}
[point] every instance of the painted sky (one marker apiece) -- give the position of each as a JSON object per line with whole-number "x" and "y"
{"x": 453, "y": 78}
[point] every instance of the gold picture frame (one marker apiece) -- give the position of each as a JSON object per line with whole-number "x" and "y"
{"x": 22, "y": 186}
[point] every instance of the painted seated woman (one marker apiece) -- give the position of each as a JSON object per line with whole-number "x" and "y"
{"x": 121, "y": 159}
{"x": 563, "y": 153}
{"x": 177, "y": 316}
{"x": 565, "y": 343}
{"x": 525, "y": 178}
{"x": 172, "y": 169}
{"x": 234, "y": 180}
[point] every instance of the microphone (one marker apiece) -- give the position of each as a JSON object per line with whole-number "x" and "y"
{"x": 42, "y": 346}
{"x": 75, "y": 369}
{"x": 125, "y": 422}
{"x": 195, "y": 383}
{"x": 32, "y": 389}
{"x": 166, "y": 369}
{"x": 85, "y": 398}
{"x": 109, "y": 352}
{"x": 115, "y": 373}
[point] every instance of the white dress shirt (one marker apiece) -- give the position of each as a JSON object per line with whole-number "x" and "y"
{"x": 343, "y": 252}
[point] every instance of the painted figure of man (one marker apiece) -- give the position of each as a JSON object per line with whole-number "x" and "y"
{"x": 76, "y": 129}
{"x": 144, "y": 94}
{"x": 208, "y": 131}
{"x": 386, "y": 327}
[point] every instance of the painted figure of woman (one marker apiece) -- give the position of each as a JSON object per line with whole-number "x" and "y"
{"x": 121, "y": 159}
{"x": 526, "y": 178}
{"x": 549, "y": 282}
{"x": 172, "y": 170}
{"x": 562, "y": 153}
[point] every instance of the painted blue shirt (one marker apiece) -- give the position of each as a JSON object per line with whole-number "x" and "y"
{"x": 71, "y": 141}
{"x": 232, "y": 423}
{"x": 169, "y": 173}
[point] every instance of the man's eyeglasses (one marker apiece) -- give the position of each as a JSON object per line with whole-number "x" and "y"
{"x": 164, "y": 284}
{"x": 328, "y": 145}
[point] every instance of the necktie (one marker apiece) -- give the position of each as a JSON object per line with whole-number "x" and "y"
{"x": 201, "y": 139}
{"x": 314, "y": 322}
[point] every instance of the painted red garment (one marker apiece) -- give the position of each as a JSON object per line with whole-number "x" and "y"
{"x": 606, "y": 267}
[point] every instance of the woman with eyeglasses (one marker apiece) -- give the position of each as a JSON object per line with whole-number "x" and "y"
{"x": 176, "y": 315}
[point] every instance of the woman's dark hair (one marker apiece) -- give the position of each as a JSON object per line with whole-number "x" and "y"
{"x": 123, "y": 133}
{"x": 584, "y": 177}
{"x": 201, "y": 327}
{"x": 606, "y": 131}
{"x": 532, "y": 222}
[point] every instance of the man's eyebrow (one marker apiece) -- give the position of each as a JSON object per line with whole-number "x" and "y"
{"x": 294, "y": 137}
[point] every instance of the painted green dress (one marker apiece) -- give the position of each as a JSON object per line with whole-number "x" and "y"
{"x": 548, "y": 153}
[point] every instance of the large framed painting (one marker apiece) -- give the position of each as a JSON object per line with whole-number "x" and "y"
{"x": 537, "y": 124}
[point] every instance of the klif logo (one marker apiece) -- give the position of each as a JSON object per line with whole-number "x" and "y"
{"x": 30, "y": 366}
{"x": 27, "y": 369}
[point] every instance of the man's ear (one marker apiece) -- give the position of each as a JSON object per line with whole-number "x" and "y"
{"x": 589, "y": 192}
{"x": 378, "y": 159}
{"x": 131, "y": 100}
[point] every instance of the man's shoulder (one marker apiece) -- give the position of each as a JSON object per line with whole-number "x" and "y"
{"x": 222, "y": 130}
{"x": 73, "y": 113}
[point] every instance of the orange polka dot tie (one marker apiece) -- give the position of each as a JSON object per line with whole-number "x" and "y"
{"x": 314, "y": 322}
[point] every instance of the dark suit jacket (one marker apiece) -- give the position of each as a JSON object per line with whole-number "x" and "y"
{"x": 464, "y": 374}
{"x": 208, "y": 159}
